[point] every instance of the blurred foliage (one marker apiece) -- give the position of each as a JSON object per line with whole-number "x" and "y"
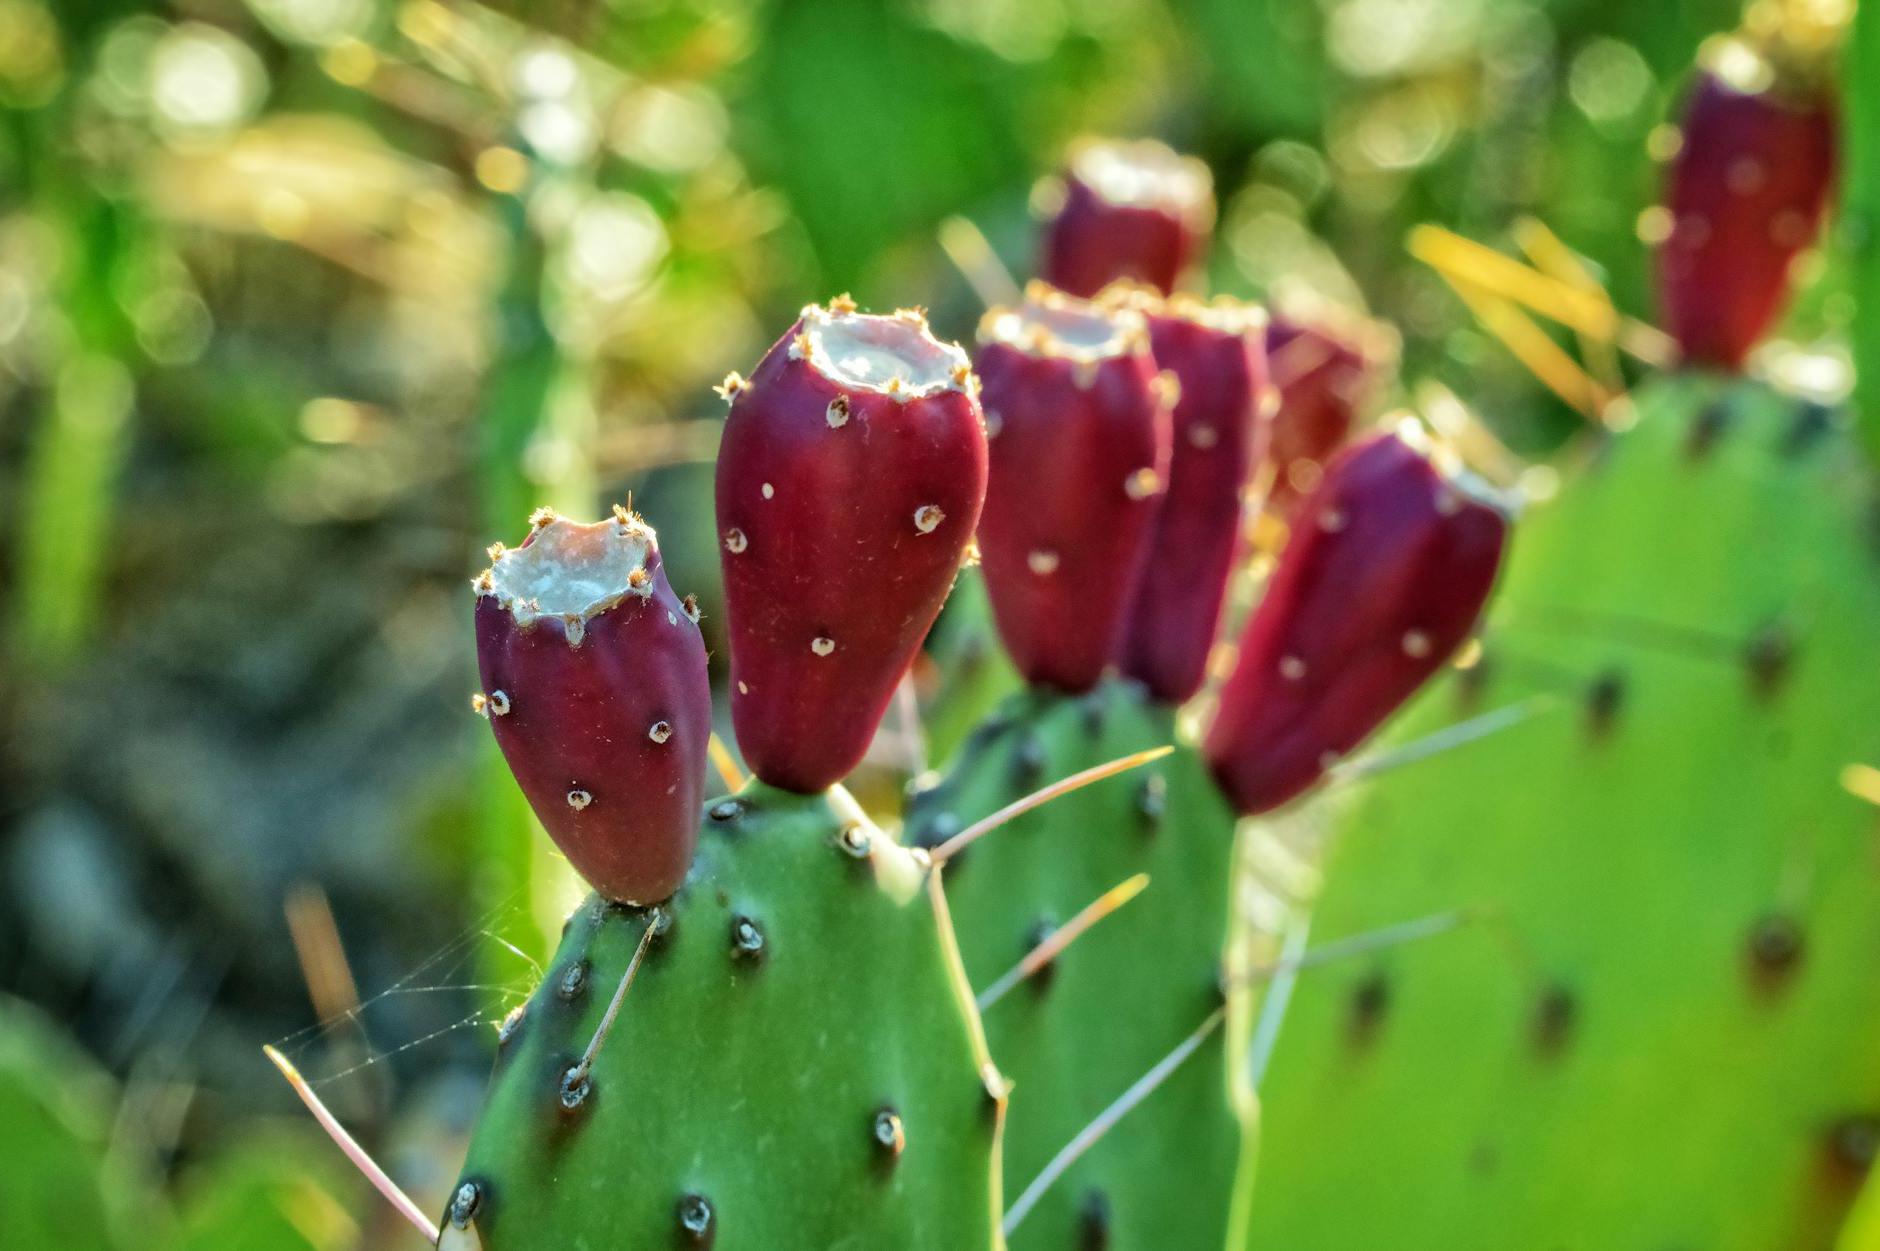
{"x": 304, "y": 301}
{"x": 1860, "y": 224}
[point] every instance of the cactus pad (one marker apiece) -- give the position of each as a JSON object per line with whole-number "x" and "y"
{"x": 1665, "y": 1031}
{"x": 795, "y": 1066}
{"x": 1076, "y": 1035}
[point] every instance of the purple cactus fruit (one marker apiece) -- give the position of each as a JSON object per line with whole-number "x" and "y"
{"x": 850, "y": 479}
{"x": 594, "y": 683}
{"x": 1217, "y": 354}
{"x": 1746, "y": 193}
{"x": 1327, "y": 366}
{"x": 1126, "y": 210}
{"x": 1079, "y": 428}
{"x": 1389, "y": 564}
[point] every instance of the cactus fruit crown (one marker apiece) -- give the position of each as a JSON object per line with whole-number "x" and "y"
{"x": 895, "y": 354}
{"x": 1052, "y": 323}
{"x": 1144, "y": 173}
{"x": 570, "y": 570}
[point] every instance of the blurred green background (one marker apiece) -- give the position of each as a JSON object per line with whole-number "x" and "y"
{"x": 302, "y": 302}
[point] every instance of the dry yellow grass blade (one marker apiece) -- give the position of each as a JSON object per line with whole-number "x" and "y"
{"x": 726, "y": 764}
{"x": 1547, "y": 360}
{"x": 1044, "y": 795}
{"x": 1553, "y": 257}
{"x": 1463, "y": 260}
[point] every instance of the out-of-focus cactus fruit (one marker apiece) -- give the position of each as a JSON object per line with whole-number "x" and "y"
{"x": 1383, "y": 578}
{"x": 849, "y": 484}
{"x": 1663, "y": 1031}
{"x": 1134, "y": 210}
{"x": 594, "y": 683}
{"x": 1329, "y": 366}
{"x": 1078, "y": 423}
{"x": 1216, "y": 353}
{"x": 795, "y": 1065}
{"x": 1745, "y": 192}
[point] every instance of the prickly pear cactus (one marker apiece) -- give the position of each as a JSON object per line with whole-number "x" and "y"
{"x": 1123, "y": 995}
{"x": 796, "y": 1064}
{"x": 1664, "y": 1032}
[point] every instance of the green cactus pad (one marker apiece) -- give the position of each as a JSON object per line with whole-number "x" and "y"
{"x": 795, "y": 1066}
{"x": 1664, "y": 1030}
{"x": 1124, "y": 994}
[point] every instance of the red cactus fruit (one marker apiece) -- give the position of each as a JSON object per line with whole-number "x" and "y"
{"x": 1079, "y": 429}
{"x": 1123, "y": 210}
{"x": 1386, "y": 571}
{"x": 594, "y": 683}
{"x": 1327, "y": 367}
{"x": 850, "y": 479}
{"x": 1746, "y": 193}
{"x": 1217, "y": 355}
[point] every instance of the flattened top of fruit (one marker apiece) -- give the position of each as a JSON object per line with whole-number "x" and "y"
{"x": 1145, "y": 173}
{"x": 895, "y": 354}
{"x": 1223, "y": 314}
{"x": 569, "y": 569}
{"x": 1052, "y": 323}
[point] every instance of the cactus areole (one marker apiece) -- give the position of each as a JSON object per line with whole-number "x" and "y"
{"x": 1217, "y": 355}
{"x": 1079, "y": 429}
{"x": 1745, "y": 193}
{"x": 1389, "y": 564}
{"x": 1126, "y": 210}
{"x": 594, "y": 683}
{"x": 850, "y": 479}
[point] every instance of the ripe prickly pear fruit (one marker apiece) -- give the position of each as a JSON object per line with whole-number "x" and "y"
{"x": 1129, "y": 210}
{"x": 850, "y": 478}
{"x": 1217, "y": 354}
{"x": 1326, "y": 369}
{"x": 1746, "y": 193}
{"x": 594, "y": 683}
{"x": 1079, "y": 428}
{"x": 1387, "y": 569}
